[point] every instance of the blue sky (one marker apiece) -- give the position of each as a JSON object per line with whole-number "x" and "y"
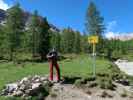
{"x": 118, "y": 16}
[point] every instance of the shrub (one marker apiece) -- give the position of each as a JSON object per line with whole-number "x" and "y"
{"x": 101, "y": 84}
{"x": 106, "y": 83}
{"x": 124, "y": 94}
{"x": 110, "y": 85}
{"x": 91, "y": 84}
{"x": 105, "y": 94}
{"x": 53, "y": 95}
{"x": 103, "y": 74}
{"x": 88, "y": 92}
{"x": 78, "y": 83}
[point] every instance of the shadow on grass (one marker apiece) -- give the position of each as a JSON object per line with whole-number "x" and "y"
{"x": 70, "y": 79}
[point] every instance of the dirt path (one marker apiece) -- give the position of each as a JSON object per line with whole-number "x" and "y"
{"x": 69, "y": 92}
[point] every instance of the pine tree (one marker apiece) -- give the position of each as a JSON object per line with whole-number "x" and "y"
{"x": 44, "y": 39}
{"x": 1, "y": 41}
{"x": 77, "y": 41}
{"x": 67, "y": 40}
{"x": 40, "y": 36}
{"x": 55, "y": 40}
{"x": 94, "y": 24}
{"x": 85, "y": 47}
{"x": 14, "y": 29}
{"x": 34, "y": 31}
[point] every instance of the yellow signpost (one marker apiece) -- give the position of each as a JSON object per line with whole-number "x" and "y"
{"x": 93, "y": 40}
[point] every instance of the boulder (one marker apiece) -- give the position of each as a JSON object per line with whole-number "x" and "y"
{"x": 36, "y": 85}
{"x": 17, "y": 93}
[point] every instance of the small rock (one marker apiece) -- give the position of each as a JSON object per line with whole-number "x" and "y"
{"x": 22, "y": 87}
{"x": 123, "y": 82}
{"x": 17, "y": 93}
{"x": 43, "y": 78}
{"x": 37, "y": 80}
{"x": 27, "y": 91}
{"x": 25, "y": 79}
{"x": 36, "y": 85}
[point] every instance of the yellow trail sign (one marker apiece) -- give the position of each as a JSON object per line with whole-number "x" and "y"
{"x": 93, "y": 39}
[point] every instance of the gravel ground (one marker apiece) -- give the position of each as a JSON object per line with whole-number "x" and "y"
{"x": 126, "y": 67}
{"x": 69, "y": 92}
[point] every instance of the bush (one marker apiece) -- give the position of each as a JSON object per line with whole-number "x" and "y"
{"x": 53, "y": 95}
{"x": 78, "y": 83}
{"x": 105, "y": 94}
{"x": 110, "y": 85}
{"x": 101, "y": 84}
{"x": 90, "y": 79}
{"x": 103, "y": 74}
{"x": 106, "y": 83}
{"x": 124, "y": 94}
{"x": 91, "y": 84}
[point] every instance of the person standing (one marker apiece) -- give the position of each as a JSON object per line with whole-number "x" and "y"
{"x": 52, "y": 58}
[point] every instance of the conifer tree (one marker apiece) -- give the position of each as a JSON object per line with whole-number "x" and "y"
{"x": 14, "y": 29}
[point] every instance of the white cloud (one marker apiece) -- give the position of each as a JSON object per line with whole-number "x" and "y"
{"x": 3, "y": 5}
{"x": 118, "y": 35}
{"x": 110, "y": 28}
{"x": 109, "y": 35}
{"x": 112, "y": 34}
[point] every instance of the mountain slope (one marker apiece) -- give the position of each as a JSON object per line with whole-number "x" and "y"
{"x": 27, "y": 16}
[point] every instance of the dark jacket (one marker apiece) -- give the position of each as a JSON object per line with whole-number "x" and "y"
{"x": 52, "y": 56}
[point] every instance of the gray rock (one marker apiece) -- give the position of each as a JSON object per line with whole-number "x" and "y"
{"x": 37, "y": 80}
{"x": 25, "y": 79}
{"x": 22, "y": 87}
{"x": 44, "y": 79}
{"x": 17, "y": 93}
{"x": 35, "y": 85}
{"x": 28, "y": 91}
{"x": 11, "y": 87}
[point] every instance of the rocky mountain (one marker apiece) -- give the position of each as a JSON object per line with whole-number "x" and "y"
{"x": 27, "y": 16}
{"x": 125, "y": 37}
{"x": 2, "y": 15}
{"x": 122, "y": 37}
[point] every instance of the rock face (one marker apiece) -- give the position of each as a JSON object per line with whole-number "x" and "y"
{"x": 28, "y": 86}
{"x": 2, "y": 15}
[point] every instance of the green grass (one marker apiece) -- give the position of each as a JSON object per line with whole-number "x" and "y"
{"x": 128, "y": 56}
{"x": 79, "y": 66}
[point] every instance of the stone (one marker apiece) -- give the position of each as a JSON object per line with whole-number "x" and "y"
{"x": 17, "y": 93}
{"x": 35, "y": 85}
{"x": 123, "y": 82}
{"x": 22, "y": 87}
{"x": 11, "y": 87}
{"x": 37, "y": 80}
{"x": 25, "y": 79}
{"x": 44, "y": 79}
{"x": 28, "y": 91}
